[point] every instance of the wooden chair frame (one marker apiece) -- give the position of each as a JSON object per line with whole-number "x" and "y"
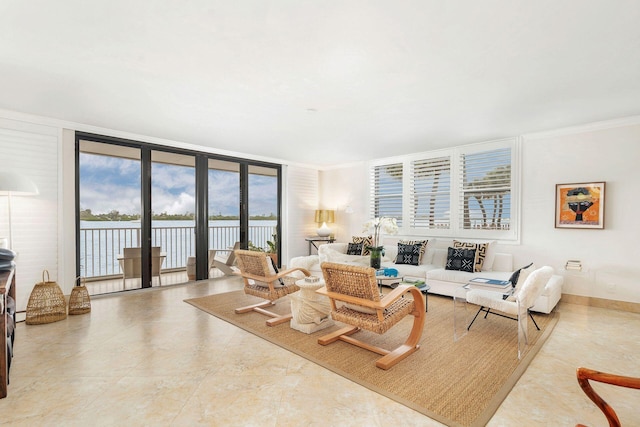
{"x": 390, "y": 357}
{"x": 251, "y": 262}
{"x": 586, "y": 374}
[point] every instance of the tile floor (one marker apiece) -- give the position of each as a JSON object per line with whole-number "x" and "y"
{"x": 146, "y": 358}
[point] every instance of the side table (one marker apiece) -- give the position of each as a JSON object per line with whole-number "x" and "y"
{"x": 310, "y": 310}
{"x": 314, "y": 241}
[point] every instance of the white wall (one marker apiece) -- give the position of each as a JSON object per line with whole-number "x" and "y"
{"x": 32, "y": 150}
{"x": 344, "y": 187}
{"x": 301, "y": 201}
{"x": 609, "y": 256}
{"x": 601, "y": 152}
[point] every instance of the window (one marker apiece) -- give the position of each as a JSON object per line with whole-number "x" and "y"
{"x": 485, "y": 190}
{"x": 386, "y": 187}
{"x": 430, "y": 203}
{"x": 468, "y": 191}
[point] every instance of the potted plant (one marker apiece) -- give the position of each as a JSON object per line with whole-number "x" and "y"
{"x": 272, "y": 249}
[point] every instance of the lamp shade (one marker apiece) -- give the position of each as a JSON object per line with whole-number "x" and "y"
{"x": 16, "y": 185}
{"x": 324, "y": 215}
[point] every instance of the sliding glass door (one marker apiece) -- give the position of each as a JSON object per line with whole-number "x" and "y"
{"x": 150, "y": 215}
{"x": 223, "y": 207}
{"x": 109, "y": 213}
{"x": 173, "y": 207}
{"x": 264, "y": 210}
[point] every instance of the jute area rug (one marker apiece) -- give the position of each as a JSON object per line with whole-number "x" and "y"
{"x": 458, "y": 383}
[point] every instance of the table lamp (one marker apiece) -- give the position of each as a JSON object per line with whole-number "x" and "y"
{"x": 324, "y": 216}
{"x": 12, "y": 184}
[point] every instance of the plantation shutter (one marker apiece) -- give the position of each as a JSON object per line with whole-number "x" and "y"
{"x": 485, "y": 199}
{"x": 430, "y": 193}
{"x": 386, "y": 187}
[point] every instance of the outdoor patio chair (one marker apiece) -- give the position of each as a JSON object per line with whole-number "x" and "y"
{"x": 515, "y": 307}
{"x": 355, "y": 300}
{"x": 223, "y": 263}
{"x": 131, "y": 263}
{"x": 586, "y": 374}
{"x": 262, "y": 280}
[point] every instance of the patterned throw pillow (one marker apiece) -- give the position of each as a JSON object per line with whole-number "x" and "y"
{"x": 366, "y": 242}
{"x": 522, "y": 275}
{"x": 481, "y": 252}
{"x": 461, "y": 259}
{"x": 423, "y": 247}
{"x": 354, "y": 249}
{"x": 408, "y": 254}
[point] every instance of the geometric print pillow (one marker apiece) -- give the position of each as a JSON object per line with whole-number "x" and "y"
{"x": 354, "y": 249}
{"x": 408, "y": 254}
{"x": 481, "y": 252}
{"x": 460, "y": 259}
{"x": 423, "y": 247}
{"x": 366, "y": 241}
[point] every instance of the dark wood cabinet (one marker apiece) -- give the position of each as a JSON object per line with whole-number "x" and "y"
{"x": 7, "y": 326}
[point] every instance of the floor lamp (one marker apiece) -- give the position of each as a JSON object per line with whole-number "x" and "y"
{"x": 12, "y": 184}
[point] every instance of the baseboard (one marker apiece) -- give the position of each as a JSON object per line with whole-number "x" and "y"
{"x": 632, "y": 307}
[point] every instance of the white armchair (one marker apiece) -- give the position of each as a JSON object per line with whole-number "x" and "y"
{"x": 517, "y": 305}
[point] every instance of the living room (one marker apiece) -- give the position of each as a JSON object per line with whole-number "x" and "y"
{"x": 600, "y": 145}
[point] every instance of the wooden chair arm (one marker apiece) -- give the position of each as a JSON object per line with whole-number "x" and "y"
{"x": 385, "y": 301}
{"x": 402, "y": 289}
{"x": 291, "y": 270}
{"x": 269, "y": 279}
{"x": 586, "y": 374}
{"x": 349, "y": 299}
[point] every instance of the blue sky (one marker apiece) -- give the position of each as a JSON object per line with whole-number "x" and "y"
{"x": 110, "y": 183}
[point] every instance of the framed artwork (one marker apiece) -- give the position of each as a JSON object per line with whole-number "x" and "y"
{"x": 580, "y": 205}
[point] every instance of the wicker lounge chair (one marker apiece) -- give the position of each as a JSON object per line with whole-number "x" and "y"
{"x": 355, "y": 300}
{"x": 261, "y": 280}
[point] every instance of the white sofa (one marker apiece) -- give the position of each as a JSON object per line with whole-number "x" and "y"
{"x": 432, "y": 269}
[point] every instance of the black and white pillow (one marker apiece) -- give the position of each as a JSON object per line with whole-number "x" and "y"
{"x": 408, "y": 254}
{"x": 366, "y": 241}
{"x": 275, "y": 269}
{"x": 423, "y": 247}
{"x": 354, "y": 249}
{"x": 481, "y": 252}
{"x": 461, "y": 259}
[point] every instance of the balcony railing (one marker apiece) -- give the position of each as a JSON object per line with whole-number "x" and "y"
{"x": 100, "y": 247}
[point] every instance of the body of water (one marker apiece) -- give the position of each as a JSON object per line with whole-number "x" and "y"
{"x": 102, "y": 241}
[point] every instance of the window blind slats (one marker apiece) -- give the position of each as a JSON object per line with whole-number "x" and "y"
{"x": 386, "y": 187}
{"x": 430, "y": 193}
{"x": 485, "y": 198}
{"x": 463, "y": 191}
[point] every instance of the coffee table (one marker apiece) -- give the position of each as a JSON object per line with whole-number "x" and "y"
{"x": 391, "y": 282}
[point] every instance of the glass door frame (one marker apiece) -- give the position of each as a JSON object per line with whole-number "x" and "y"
{"x": 201, "y": 193}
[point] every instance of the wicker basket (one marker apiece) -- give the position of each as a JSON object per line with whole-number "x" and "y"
{"x": 46, "y": 303}
{"x": 79, "y": 301}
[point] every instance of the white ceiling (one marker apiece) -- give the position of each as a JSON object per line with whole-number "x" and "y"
{"x": 322, "y": 82}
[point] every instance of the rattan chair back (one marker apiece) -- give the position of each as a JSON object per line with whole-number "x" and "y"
{"x": 355, "y": 281}
{"x": 254, "y": 263}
